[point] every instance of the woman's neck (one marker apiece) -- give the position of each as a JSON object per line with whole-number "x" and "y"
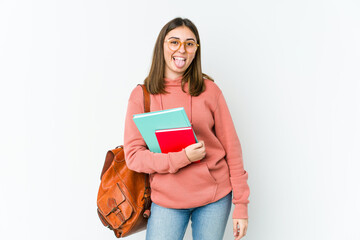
{"x": 174, "y": 78}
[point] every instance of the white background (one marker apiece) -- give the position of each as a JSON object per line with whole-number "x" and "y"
{"x": 289, "y": 71}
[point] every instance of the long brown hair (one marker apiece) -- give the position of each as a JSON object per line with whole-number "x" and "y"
{"x": 193, "y": 74}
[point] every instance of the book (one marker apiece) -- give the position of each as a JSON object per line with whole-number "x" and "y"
{"x": 175, "y": 139}
{"x": 148, "y": 123}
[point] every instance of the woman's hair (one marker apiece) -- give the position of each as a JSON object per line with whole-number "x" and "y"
{"x": 193, "y": 74}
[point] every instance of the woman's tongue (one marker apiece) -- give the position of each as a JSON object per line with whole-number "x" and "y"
{"x": 179, "y": 62}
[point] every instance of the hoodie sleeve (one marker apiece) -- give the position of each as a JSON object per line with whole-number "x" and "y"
{"x": 138, "y": 158}
{"x": 226, "y": 133}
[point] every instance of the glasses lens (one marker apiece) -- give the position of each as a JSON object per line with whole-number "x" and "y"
{"x": 174, "y": 44}
{"x": 190, "y": 46}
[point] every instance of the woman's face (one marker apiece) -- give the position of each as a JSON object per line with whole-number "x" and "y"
{"x": 176, "y": 62}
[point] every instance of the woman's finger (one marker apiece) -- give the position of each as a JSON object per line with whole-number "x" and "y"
{"x": 245, "y": 230}
{"x": 235, "y": 228}
{"x": 242, "y": 231}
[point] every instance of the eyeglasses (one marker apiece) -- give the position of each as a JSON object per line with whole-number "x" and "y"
{"x": 175, "y": 44}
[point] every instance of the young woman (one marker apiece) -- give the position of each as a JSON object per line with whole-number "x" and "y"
{"x": 180, "y": 188}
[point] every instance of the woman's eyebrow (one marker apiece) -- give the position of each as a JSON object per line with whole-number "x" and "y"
{"x": 179, "y": 38}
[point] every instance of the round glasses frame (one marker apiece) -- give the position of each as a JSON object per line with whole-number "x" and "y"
{"x": 181, "y": 43}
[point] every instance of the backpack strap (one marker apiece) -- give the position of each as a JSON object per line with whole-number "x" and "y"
{"x": 146, "y": 98}
{"x": 111, "y": 153}
{"x": 147, "y": 191}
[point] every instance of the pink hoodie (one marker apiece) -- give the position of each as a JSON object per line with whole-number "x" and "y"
{"x": 175, "y": 181}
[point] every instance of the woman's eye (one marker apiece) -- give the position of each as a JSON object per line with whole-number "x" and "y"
{"x": 190, "y": 44}
{"x": 174, "y": 42}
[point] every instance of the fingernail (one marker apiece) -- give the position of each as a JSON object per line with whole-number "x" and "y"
{"x": 234, "y": 234}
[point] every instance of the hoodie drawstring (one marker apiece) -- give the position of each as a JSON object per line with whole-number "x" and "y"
{"x": 190, "y": 106}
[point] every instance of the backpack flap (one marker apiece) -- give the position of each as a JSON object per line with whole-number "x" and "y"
{"x": 114, "y": 207}
{"x": 109, "y": 158}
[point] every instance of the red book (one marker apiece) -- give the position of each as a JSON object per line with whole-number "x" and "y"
{"x": 175, "y": 139}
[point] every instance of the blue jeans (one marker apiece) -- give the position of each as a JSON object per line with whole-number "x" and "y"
{"x": 207, "y": 222}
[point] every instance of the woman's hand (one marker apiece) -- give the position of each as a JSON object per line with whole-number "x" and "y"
{"x": 195, "y": 151}
{"x": 240, "y": 227}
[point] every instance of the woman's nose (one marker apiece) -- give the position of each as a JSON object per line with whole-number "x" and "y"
{"x": 182, "y": 48}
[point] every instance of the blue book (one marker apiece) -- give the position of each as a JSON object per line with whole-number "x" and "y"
{"x": 148, "y": 123}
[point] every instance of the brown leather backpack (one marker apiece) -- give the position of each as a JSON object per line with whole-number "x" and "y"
{"x": 123, "y": 201}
